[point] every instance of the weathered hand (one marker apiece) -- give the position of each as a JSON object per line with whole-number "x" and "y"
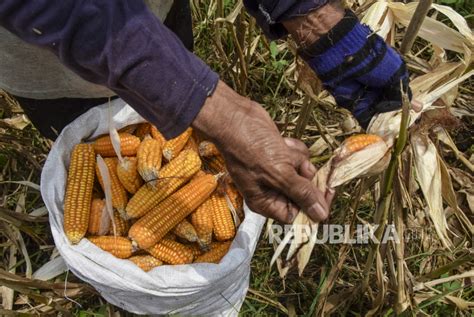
{"x": 273, "y": 173}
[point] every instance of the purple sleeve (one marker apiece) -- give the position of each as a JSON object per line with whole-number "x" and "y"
{"x": 270, "y": 13}
{"x": 122, "y": 45}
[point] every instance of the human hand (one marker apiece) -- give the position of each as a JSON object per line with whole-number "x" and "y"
{"x": 273, "y": 174}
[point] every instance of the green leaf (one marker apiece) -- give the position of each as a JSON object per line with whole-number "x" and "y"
{"x": 273, "y": 49}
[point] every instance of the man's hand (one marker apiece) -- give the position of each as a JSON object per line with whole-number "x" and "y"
{"x": 273, "y": 173}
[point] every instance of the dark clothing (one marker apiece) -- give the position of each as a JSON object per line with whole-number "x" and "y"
{"x": 50, "y": 116}
{"x": 123, "y": 46}
{"x": 270, "y": 13}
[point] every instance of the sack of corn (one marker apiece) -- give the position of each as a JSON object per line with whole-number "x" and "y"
{"x": 155, "y": 225}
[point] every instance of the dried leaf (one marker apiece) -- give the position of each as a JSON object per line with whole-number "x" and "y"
{"x": 51, "y": 269}
{"x": 429, "y": 177}
{"x": 431, "y": 30}
{"x": 17, "y": 122}
{"x": 104, "y": 173}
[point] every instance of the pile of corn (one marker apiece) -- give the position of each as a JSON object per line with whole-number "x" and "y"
{"x": 173, "y": 201}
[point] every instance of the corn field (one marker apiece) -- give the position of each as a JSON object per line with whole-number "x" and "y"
{"x": 425, "y": 192}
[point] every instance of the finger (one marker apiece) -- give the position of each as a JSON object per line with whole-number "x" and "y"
{"x": 416, "y": 105}
{"x": 330, "y": 193}
{"x": 307, "y": 170}
{"x": 306, "y": 195}
{"x": 297, "y": 145}
{"x": 303, "y": 165}
{"x": 273, "y": 205}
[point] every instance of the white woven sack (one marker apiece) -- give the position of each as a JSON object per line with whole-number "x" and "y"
{"x": 189, "y": 290}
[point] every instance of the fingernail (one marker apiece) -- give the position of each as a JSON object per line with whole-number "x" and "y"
{"x": 289, "y": 142}
{"x": 291, "y": 216}
{"x": 311, "y": 167}
{"x": 319, "y": 211}
{"x": 331, "y": 190}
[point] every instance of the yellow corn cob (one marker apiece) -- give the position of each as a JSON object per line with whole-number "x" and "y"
{"x": 198, "y": 174}
{"x": 186, "y": 231}
{"x": 191, "y": 145}
{"x": 119, "y": 195}
{"x": 195, "y": 249}
{"x": 224, "y": 228}
{"x": 208, "y": 149}
{"x": 359, "y": 141}
{"x": 235, "y": 199}
{"x": 78, "y": 198}
{"x": 172, "y": 176}
{"x": 95, "y": 217}
{"x": 157, "y": 135}
{"x": 216, "y": 164}
{"x": 171, "y": 252}
{"x": 149, "y": 160}
{"x": 202, "y": 222}
{"x": 128, "y": 145}
{"x": 119, "y": 246}
{"x": 215, "y": 255}
{"x": 145, "y": 262}
{"x": 143, "y": 129}
{"x": 128, "y": 174}
{"x": 160, "y": 220}
{"x": 172, "y": 147}
{"x": 121, "y": 225}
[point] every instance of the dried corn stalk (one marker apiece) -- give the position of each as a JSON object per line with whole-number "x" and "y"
{"x": 438, "y": 84}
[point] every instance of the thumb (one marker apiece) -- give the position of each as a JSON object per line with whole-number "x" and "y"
{"x": 307, "y": 196}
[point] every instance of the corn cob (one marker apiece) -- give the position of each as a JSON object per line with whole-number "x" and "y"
{"x": 172, "y": 147}
{"x": 121, "y": 225}
{"x": 195, "y": 249}
{"x": 202, "y": 222}
{"x": 157, "y": 135}
{"x": 95, "y": 217}
{"x": 149, "y": 160}
{"x": 224, "y": 228}
{"x": 172, "y": 176}
{"x": 119, "y": 246}
{"x": 235, "y": 199}
{"x": 160, "y": 220}
{"x": 357, "y": 142}
{"x": 128, "y": 174}
{"x": 145, "y": 262}
{"x": 171, "y": 252}
{"x": 186, "y": 231}
{"x": 198, "y": 174}
{"x": 215, "y": 255}
{"x": 143, "y": 129}
{"x": 216, "y": 164}
{"x": 191, "y": 145}
{"x": 128, "y": 145}
{"x": 119, "y": 195}
{"x": 80, "y": 182}
{"x": 208, "y": 149}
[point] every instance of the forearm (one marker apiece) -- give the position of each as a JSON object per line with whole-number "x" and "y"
{"x": 310, "y": 27}
{"x": 122, "y": 45}
{"x": 271, "y": 14}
